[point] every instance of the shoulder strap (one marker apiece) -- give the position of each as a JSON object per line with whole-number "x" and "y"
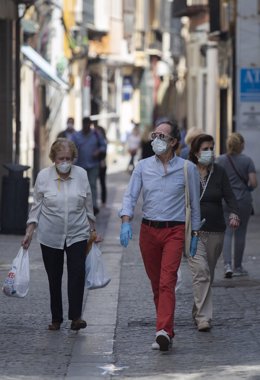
{"x": 187, "y": 193}
{"x": 235, "y": 170}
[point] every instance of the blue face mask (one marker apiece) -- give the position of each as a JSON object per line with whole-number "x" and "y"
{"x": 159, "y": 146}
{"x": 206, "y": 157}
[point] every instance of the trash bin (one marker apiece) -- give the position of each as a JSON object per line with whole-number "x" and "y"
{"x": 15, "y": 198}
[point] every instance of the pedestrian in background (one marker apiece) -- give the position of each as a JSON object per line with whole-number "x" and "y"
{"x": 62, "y": 212}
{"x": 242, "y": 176}
{"x": 67, "y": 133}
{"x": 146, "y": 147}
{"x": 133, "y": 145}
{"x": 161, "y": 179}
{"x": 190, "y": 135}
{"x": 214, "y": 187}
{"x": 102, "y": 167}
{"x": 90, "y": 145}
{"x": 183, "y": 132}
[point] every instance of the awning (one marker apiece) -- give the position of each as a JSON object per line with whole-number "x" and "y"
{"x": 43, "y": 67}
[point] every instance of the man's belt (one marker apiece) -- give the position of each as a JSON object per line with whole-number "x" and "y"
{"x": 161, "y": 224}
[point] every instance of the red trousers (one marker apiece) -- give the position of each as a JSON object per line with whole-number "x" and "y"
{"x": 161, "y": 250}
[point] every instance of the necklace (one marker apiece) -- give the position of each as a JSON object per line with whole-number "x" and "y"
{"x": 204, "y": 182}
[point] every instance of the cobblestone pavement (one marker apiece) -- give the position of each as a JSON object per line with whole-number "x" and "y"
{"x": 27, "y": 349}
{"x": 121, "y": 318}
{"x": 232, "y": 348}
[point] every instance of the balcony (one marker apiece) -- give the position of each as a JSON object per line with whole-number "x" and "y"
{"x": 188, "y": 7}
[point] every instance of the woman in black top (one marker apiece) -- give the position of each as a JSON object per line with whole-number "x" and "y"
{"x": 214, "y": 187}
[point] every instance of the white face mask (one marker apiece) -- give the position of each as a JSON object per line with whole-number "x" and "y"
{"x": 206, "y": 157}
{"x": 159, "y": 146}
{"x": 64, "y": 167}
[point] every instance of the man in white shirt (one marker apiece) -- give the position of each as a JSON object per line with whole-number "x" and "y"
{"x": 161, "y": 179}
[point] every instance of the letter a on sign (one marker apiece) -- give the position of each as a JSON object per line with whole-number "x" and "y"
{"x": 250, "y": 84}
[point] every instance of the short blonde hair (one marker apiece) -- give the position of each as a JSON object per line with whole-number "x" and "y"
{"x": 61, "y": 143}
{"x": 191, "y": 134}
{"x": 235, "y": 143}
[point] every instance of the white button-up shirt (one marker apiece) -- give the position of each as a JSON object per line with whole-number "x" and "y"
{"x": 61, "y": 208}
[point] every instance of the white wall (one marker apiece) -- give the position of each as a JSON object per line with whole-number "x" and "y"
{"x": 27, "y": 118}
{"x": 248, "y": 96}
{"x": 56, "y": 54}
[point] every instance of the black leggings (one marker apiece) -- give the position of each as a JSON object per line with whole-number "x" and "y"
{"x": 53, "y": 259}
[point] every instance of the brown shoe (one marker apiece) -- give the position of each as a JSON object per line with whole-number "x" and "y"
{"x": 78, "y": 324}
{"x": 54, "y": 326}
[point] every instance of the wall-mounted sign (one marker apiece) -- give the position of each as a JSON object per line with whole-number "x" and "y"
{"x": 250, "y": 84}
{"x": 127, "y": 88}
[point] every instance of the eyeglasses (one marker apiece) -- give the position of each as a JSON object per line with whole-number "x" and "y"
{"x": 160, "y": 136}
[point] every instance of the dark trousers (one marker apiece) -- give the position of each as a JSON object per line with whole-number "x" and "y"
{"x": 131, "y": 162}
{"x": 102, "y": 179}
{"x": 53, "y": 261}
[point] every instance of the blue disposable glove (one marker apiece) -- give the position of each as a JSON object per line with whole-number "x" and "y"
{"x": 193, "y": 245}
{"x": 125, "y": 233}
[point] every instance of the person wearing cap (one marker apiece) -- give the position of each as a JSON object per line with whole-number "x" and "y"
{"x": 162, "y": 234}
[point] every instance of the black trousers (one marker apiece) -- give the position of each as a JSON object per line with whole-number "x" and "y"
{"x": 102, "y": 178}
{"x": 54, "y": 261}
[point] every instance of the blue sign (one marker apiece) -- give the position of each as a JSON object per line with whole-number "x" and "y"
{"x": 127, "y": 88}
{"x": 250, "y": 85}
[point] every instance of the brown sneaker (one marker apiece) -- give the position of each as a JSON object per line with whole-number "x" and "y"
{"x": 78, "y": 324}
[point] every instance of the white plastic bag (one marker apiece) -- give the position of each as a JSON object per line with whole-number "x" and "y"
{"x": 96, "y": 276}
{"x": 16, "y": 283}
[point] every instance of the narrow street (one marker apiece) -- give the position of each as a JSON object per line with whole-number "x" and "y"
{"x": 121, "y": 318}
